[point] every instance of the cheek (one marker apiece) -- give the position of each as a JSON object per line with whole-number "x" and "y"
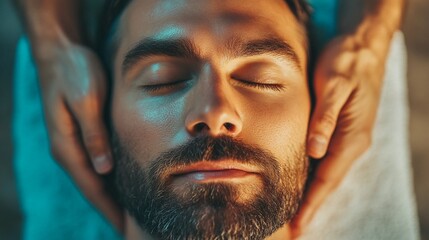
{"x": 145, "y": 126}
{"x": 279, "y": 126}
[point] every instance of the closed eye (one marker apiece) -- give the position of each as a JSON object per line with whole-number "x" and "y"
{"x": 263, "y": 86}
{"x": 164, "y": 87}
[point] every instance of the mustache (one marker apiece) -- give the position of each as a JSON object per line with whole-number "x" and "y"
{"x": 211, "y": 149}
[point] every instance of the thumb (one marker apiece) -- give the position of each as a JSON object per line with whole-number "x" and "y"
{"x": 94, "y": 134}
{"x": 95, "y": 138}
{"x": 331, "y": 96}
{"x": 87, "y": 104}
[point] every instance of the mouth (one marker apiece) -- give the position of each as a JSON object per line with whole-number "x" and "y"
{"x": 209, "y": 171}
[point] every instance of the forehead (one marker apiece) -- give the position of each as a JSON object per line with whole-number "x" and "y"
{"x": 209, "y": 21}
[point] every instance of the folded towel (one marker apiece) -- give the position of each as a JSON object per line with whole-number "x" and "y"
{"x": 376, "y": 198}
{"x": 375, "y": 201}
{"x": 52, "y": 206}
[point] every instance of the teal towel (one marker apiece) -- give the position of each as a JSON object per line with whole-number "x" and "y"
{"x": 52, "y": 206}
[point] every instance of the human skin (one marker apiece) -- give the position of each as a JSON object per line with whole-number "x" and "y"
{"x": 73, "y": 88}
{"x": 56, "y": 47}
{"x": 347, "y": 85}
{"x": 153, "y": 110}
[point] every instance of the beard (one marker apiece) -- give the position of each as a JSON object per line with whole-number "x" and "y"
{"x": 209, "y": 210}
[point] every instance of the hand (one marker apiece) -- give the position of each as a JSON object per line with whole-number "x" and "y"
{"x": 74, "y": 90}
{"x": 347, "y": 84}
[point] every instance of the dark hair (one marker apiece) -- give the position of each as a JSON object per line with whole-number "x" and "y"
{"x": 114, "y": 8}
{"x": 300, "y": 9}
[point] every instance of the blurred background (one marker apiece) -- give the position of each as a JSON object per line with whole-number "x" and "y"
{"x": 416, "y": 29}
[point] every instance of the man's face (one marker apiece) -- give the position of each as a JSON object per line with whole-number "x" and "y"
{"x": 210, "y": 108}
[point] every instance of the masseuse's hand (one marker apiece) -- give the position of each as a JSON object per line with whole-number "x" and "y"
{"x": 347, "y": 84}
{"x": 74, "y": 90}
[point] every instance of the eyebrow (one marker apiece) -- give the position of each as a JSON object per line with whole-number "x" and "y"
{"x": 271, "y": 45}
{"x": 185, "y": 48}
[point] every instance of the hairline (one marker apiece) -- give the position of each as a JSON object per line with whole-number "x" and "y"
{"x": 109, "y": 42}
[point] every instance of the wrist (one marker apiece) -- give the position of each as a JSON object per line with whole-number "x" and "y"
{"x": 47, "y": 47}
{"x": 50, "y": 37}
{"x": 388, "y": 12}
{"x": 381, "y": 20}
{"x": 49, "y": 26}
{"x": 376, "y": 34}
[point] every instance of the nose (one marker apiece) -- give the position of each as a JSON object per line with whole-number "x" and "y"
{"x": 213, "y": 112}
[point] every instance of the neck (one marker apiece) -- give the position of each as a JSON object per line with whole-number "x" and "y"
{"x": 134, "y": 232}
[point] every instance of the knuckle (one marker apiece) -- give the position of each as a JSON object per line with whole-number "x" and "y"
{"x": 90, "y": 119}
{"x": 88, "y": 96}
{"x": 328, "y": 120}
{"x": 92, "y": 137}
{"x": 88, "y": 103}
{"x": 368, "y": 56}
{"x": 66, "y": 151}
{"x": 342, "y": 76}
{"x": 369, "y": 62}
{"x": 93, "y": 141}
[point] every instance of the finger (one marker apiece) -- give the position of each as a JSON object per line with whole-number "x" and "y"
{"x": 322, "y": 185}
{"x": 328, "y": 176}
{"x": 73, "y": 159}
{"x": 97, "y": 144}
{"x": 69, "y": 153}
{"x": 87, "y": 105}
{"x": 330, "y": 99}
{"x": 94, "y": 134}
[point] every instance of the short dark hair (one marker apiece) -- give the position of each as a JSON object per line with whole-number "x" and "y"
{"x": 114, "y": 8}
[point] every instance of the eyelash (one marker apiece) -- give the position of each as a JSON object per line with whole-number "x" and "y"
{"x": 165, "y": 86}
{"x": 263, "y": 86}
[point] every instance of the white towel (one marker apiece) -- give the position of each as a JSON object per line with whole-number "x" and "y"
{"x": 375, "y": 201}
{"x": 376, "y": 198}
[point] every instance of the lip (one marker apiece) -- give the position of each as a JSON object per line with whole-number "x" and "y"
{"x": 215, "y": 166}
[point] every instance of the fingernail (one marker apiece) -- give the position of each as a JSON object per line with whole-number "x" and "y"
{"x": 102, "y": 163}
{"x": 318, "y": 145}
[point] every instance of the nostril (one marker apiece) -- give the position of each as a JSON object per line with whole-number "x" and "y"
{"x": 230, "y": 127}
{"x": 199, "y": 127}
